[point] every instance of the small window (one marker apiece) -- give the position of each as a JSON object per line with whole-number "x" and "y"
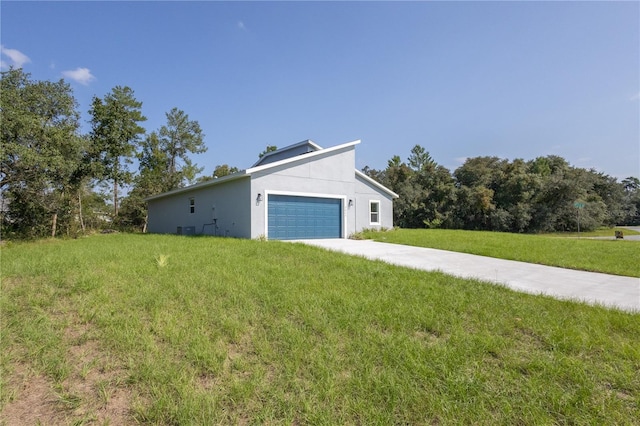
{"x": 374, "y": 210}
{"x": 192, "y": 205}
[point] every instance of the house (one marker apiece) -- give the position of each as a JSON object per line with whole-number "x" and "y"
{"x": 297, "y": 192}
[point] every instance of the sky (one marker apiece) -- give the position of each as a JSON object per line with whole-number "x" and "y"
{"x": 462, "y": 79}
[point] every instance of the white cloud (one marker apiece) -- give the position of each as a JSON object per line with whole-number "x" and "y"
{"x": 18, "y": 59}
{"x": 635, "y": 97}
{"x": 241, "y": 25}
{"x": 80, "y": 75}
{"x": 460, "y": 160}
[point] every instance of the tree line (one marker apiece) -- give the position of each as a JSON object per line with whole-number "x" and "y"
{"x": 56, "y": 180}
{"x": 546, "y": 194}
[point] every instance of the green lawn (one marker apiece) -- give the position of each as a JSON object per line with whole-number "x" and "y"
{"x": 178, "y": 330}
{"x": 618, "y": 257}
{"x": 603, "y": 232}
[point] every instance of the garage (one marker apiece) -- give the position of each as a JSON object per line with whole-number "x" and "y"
{"x": 296, "y": 217}
{"x": 301, "y": 191}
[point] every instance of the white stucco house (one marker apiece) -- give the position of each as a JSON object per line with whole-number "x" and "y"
{"x": 297, "y": 192}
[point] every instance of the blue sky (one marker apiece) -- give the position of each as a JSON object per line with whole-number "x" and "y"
{"x": 463, "y": 79}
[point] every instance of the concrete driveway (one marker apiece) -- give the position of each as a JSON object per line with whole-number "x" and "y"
{"x": 594, "y": 288}
{"x": 632, "y": 237}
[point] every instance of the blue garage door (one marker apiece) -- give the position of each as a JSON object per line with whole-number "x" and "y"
{"x": 292, "y": 218}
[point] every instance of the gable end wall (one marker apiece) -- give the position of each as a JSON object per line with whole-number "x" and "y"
{"x": 364, "y": 194}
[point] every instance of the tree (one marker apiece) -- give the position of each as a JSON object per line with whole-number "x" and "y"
{"x": 164, "y": 164}
{"x": 478, "y": 180}
{"x": 490, "y": 193}
{"x": 224, "y": 170}
{"x": 426, "y": 190}
{"x": 606, "y": 189}
{"x": 474, "y": 208}
{"x": 270, "y": 148}
{"x": 115, "y": 134}
{"x": 631, "y": 206}
{"x": 153, "y": 164}
{"x": 178, "y": 138}
{"x": 433, "y": 190}
{"x": 93, "y": 210}
{"x": 514, "y": 191}
{"x": 153, "y": 178}
{"x": 553, "y": 202}
{"x": 480, "y": 171}
{"x": 220, "y": 171}
{"x": 397, "y": 177}
{"x": 631, "y": 184}
{"x": 40, "y": 153}
{"x": 420, "y": 159}
{"x": 377, "y": 175}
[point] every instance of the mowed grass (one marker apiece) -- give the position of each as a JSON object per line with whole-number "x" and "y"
{"x": 225, "y": 331}
{"x": 617, "y": 257}
{"x": 602, "y": 232}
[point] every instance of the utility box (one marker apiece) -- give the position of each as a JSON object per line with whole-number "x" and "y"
{"x": 186, "y": 230}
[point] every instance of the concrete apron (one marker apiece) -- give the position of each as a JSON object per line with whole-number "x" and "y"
{"x": 590, "y": 287}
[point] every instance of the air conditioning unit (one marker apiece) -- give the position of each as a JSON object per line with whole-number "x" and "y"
{"x": 186, "y": 230}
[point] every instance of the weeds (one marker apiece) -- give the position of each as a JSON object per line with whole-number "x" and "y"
{"x": 162, "y": 260}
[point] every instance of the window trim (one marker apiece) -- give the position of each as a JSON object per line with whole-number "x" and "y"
{"x": 192, "y": 205}
{"x": 371, "y": 212}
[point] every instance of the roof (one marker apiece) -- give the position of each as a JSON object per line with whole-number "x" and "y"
{"x": 317, "y": 150}
{"x": 321, "y": 151}
{"x": 212, "y": 182}
{"x": 303, "y": 147}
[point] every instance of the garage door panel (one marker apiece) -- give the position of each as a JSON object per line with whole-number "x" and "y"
{"x": 296, "y": 217}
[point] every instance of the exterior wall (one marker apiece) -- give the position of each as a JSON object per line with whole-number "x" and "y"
{"x": 330, "y": 176}
{"x": 227, "y": 202}
{"x": 364, "y": 194}
{"x": 239, "y": 205}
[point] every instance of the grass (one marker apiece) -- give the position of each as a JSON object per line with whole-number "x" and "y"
{"x": 235, "y": 331}
{"x": 602, "y": 232}
{"x": 617, "y": 257}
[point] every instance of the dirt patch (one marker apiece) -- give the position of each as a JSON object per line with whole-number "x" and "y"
{"x": 33, "y": 400}
{"x": 94, "y": 391}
